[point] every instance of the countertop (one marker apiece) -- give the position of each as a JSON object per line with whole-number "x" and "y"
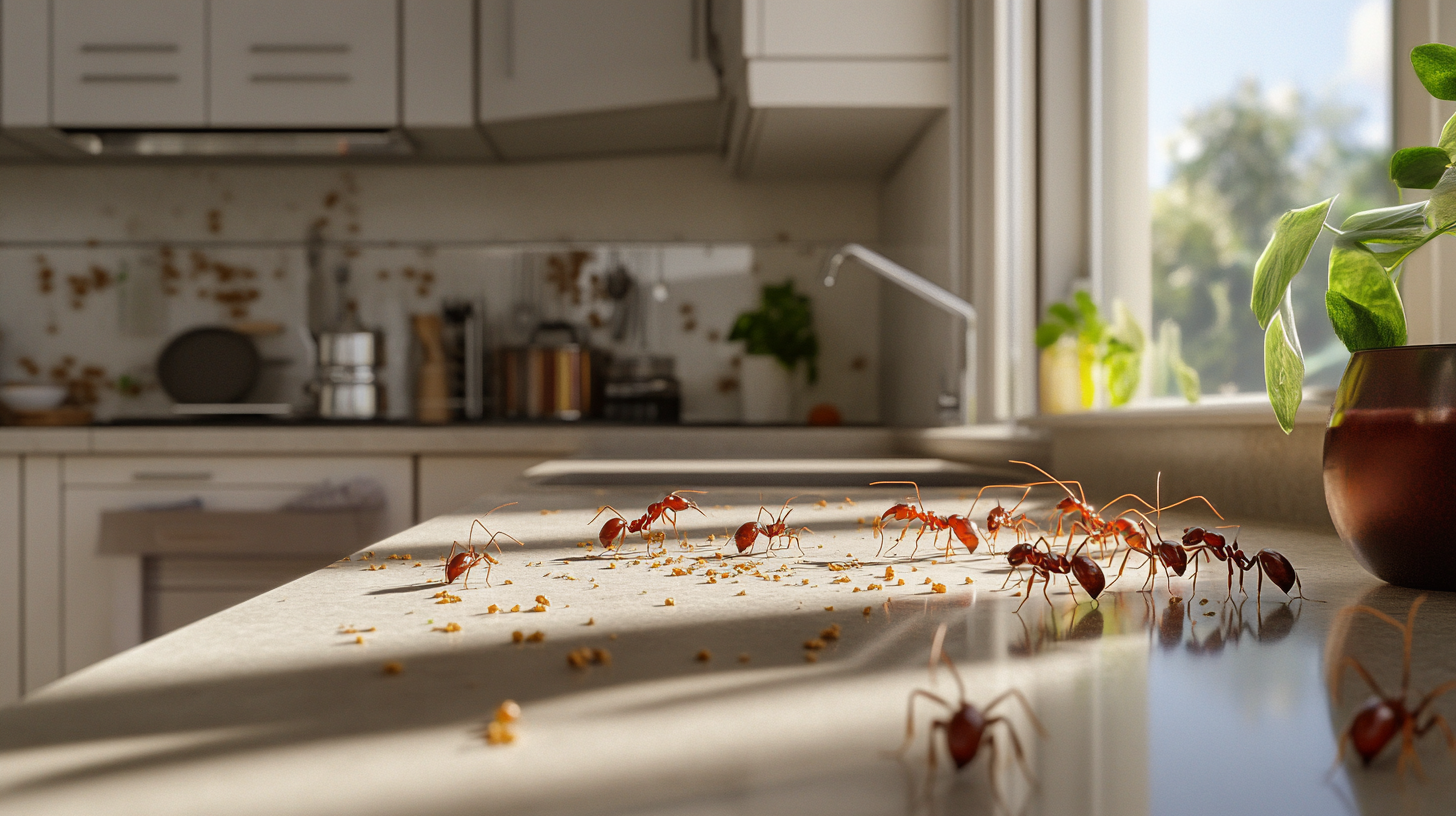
{"x": 283, "y": 704}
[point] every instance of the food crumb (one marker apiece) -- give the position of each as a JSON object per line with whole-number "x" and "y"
{"x": 828, "y": 609}
{"x": 541, "y": 599}
{"x": 518, "y": 636}
{"x": 889, "y": 573}
{"x": 358, "y": 638}
{"x": 868, "y": 610}
{"x": 449, "y": 627}
{"x": 507, "y": 582}
{"x": 832, "y": 633}
{"x": 612, "y": 636}
{"x": 492, "y": 609}
{"x": 591, "y": 622}
{"x": 536, "y": 637}
{"x": 498, "y": 734}
{"x": 391, "y": 668}
{"x": 814, "y": 643}
{"x": 538, "y": 608}
{"x": 744, "y": 658}
{"x": 516, "y": 608}
{"x": 703, "y": 656}
{"x": 900, "y": 582}
{"x": 937, "y": 587}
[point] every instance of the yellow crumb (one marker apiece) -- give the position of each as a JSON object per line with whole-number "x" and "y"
{"x": 536, "y": 637}
{"x": 391, "y": 668}
{"x": 493, "y": 609}
{"x": 498, "y": 734}
{"x": 449, "y": 627}
{"x": 703, "y": 656}
{"x": 937, "y": 587}
{"x": 516, "y": 608}
{"x": 518, "y": 636}
{"x": 868, "y": 610}
{"x": 669, "y": 602}
{"x": 828, "y": 609}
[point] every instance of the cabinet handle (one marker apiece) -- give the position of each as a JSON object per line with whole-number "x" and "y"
{"x": 152, "y": 79}
{"x": 129, "y": 48}
{"x": 299, "y": 48}
{"x": 171, "y": 476}
{"x": 300, "y": 78}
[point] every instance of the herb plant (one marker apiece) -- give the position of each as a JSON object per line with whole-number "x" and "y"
{"x": 782, "y": 325}
{"x": 1118, "y": 346}
{"x": 1365, "y": 265}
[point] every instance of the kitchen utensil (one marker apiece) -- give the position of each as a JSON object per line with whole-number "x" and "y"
{"x": 642, "y": 388}
{"x": 622, "y": 290}
{"x": 556, "y": 375}
{"x": 346, "y": 382}
{"x": 464, "y": 342}
{"x": 32, "y": 396}
{"x": 208, "y": 365}
{"x": 432, "y": 388}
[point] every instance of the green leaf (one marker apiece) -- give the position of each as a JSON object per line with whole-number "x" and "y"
{"x": 1124, "y": 369}
{"x": 1404, "y": 216}
{"x": 1283, "y": 367}
{"x": 1188, "y": 383}
{"x": 1092, "y": 327}
{"x": 1125, "y": 329}
{"x": 1363, "y": 302}
{"x": 1418, "y": 168}
{"x": 1288, "y": 249}
{"x": 1435, "y": 65}
{"x": 1048, "y": 333}
{"x": 1441, "y": 208}
{"x": 1360, "y": 328}
{"x": 1064, "y": 313}
{"x": 1448, "y": 137}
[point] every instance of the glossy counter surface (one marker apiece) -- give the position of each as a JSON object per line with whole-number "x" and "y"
{"x": 1150, "y": 706}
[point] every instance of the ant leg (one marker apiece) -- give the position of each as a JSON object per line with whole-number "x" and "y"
{"x": 1030, "y": 582}
{"x": 1337, "y": 671}
{"x": 991, "y": 753}
{"x": 1015, "y": 746}
{"x": 1015, "y": 694}
{"x": 930, "y": 764}
{"x": 910, "y": 716}
{"x": 1408, "y": 751}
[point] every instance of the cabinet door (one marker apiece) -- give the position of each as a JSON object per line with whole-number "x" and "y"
{"x": 11, "y": 617}
{"x": 304, "y": 63}
{"x": 133, "y": 64}
{"x": 554, "y": 57}
{"x": 866, "y": 29}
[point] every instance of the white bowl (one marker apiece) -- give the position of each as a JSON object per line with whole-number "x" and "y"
{"x": 31, "y": 396}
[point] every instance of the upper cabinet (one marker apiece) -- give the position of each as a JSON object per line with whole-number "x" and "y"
{"x": 304, "y": 63}
{"x": 563, "y": 77}
{"x": 832, "y": 87}
{"x": 139, "y": 63}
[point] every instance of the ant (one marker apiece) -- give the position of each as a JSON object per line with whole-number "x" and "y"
{"x": 1170, "y": 554}
{"x": 968, "y": 727}
{"x": 961, "y": 528}
{"x": 749, "y": 531}
{"x": 619, "y": 527}
{"x": 461, "y": 563}
{"x": 1381, "y": 717}
{"x": 1000, "y": 518}
{"x": 1281, "y": 573}
{"x": 1046, "y": 564}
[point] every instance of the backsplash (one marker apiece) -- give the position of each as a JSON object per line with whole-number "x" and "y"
{"x": 95, "y": 303}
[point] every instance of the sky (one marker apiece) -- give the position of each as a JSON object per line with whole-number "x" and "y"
{"x": 1199, "y": 50}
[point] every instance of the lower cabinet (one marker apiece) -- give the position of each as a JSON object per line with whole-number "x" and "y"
{"x": 449, "y": 483}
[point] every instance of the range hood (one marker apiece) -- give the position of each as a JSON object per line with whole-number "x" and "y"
{"x": 239, "y": 143}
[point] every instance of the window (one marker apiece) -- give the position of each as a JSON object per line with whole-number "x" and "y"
{"x": 1254, "y": 108}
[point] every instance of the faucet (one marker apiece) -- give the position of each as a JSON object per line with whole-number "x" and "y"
{"x": 962, "y": 404}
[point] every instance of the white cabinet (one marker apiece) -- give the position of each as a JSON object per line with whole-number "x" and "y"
{"x": 304, "y": 63}
{"x": 833, "y": 87}
{"x": 604, "y": 76}
{"x": 10, "y": 580}
{"x": 81, "y": 606}
{"x": 449, "y": 483}
{"x": 135, "y": 64}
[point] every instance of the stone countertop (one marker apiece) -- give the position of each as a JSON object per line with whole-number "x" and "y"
{"x": 712, "y": 700}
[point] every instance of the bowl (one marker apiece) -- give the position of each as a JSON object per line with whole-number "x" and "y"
{"x": 32, "y": 396}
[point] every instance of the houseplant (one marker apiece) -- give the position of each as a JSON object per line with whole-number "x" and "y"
{"x": 1390, "y": 448}
{"x": 777, "y": 336}
{"x": 1080, "y": 350}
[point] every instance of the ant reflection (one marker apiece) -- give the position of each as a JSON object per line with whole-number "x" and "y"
{"x": 1205, "y": 628}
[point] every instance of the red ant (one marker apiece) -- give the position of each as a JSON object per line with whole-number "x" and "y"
{"x": 1381, "y": 717}
{"x": 1281, "y": 573}
{"x": 1046, "y": 564}
{"x": 1000, "y": 518}
{"x": 619, "y": 527}
{"x": 1092, "y": 523}
{"x": 461, "y": 563}
{"x": 961, "y": 528}
{"x": 749, "y": 531}
{"x": 968, "y": 727}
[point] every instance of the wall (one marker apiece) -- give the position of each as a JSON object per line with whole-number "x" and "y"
{"x": 236, "y": 234}
{"x": 918, "y": 343}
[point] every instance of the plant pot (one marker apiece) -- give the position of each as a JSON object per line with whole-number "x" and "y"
{"x": 1390, "y": 464}
{"x": 766, "y": 388}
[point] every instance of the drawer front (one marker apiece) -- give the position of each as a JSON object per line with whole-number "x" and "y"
{"x": 133, "y": 64}
{"x": 174, "y": 472}
{"x": 304, "y": 63}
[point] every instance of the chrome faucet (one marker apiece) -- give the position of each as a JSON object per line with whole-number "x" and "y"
{"x": 963, "y": 403}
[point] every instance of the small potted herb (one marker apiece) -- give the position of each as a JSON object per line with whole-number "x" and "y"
{"x": 1390, "y": 446}
{"x": 777, "y": 336}
{"x": 1081, "y": 353}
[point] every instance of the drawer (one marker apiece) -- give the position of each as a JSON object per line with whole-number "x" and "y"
{"x": 183, "y": 472}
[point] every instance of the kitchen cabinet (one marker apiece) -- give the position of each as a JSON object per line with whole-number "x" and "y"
{"x": 10, "y": 579}
{"x": 304, "y": 63}
{"x": 832, "y": 87}
{"x": 561, "y": 77}
{"x": 81, "y": 606}
{"x": 448, "y": 483}
{"x": 125, "y": 65}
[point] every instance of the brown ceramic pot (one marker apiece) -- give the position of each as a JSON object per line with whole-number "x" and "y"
{"x": 1390, "y": 464}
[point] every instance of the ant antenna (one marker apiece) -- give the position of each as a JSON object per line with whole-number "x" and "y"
{"x": 1053, "y": 478}
{"x": 918, "y": 500}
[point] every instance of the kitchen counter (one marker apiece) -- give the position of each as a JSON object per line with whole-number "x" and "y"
{"x": 710, "y": 701}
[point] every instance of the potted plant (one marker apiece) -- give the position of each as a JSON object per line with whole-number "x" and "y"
{"x": 777, "y": 336}
{"x": 1390, "y": 447}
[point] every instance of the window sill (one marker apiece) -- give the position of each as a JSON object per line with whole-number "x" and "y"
{"x": 1237, "y": 410}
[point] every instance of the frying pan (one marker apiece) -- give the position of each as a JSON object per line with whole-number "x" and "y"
{"x": 208, "y": 365}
